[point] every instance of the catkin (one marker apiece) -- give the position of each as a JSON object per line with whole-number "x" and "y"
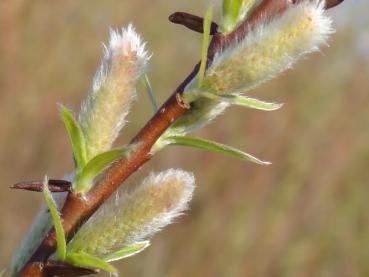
{"x": 104, "y": 111}
{"x": 135, "y": 216}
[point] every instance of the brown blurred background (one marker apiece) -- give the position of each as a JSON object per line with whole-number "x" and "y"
{"x": 305, "y": 215}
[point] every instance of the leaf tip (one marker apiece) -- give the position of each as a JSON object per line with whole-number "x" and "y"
{"x": 45, "y": 184}
{"x": 278, "y": 106}
{"x": 266, "y": 163}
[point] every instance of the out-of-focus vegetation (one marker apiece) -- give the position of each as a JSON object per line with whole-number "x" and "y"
{"x": 305, "y": 215}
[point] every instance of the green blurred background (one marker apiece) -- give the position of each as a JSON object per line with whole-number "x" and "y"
{"x": 305, "y": 215}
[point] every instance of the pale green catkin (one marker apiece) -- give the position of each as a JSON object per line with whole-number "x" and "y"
{"x": 269, "y": 49}
{"x": 135, "y": 216}
{"x": 103, "y": 113}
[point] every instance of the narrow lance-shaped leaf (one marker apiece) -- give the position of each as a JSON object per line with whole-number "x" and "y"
{"x": 82, "y": 259}
{"x": 243, "y": 101}
{"x": 231, "y": 10}
{"x": 205, "y": 44}
{"x": 127, "y": 251}
{"x": 60, "y": 236}
{"x": 75, "y": 135}
{"x": 146, "y": 82}
{"x": 212, "y": 147}
{"x": 94, "y": 167}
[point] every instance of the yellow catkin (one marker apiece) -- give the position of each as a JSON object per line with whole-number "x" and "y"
{"x": 114, "y": 88}
{"x": 137, "y": 215}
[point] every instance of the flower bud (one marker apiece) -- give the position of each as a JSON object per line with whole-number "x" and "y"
{"x": 132, "y": 217}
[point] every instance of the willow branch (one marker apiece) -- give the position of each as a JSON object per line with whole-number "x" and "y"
{"x": 78, "y": 209}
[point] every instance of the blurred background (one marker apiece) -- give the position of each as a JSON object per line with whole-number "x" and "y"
{"x": 305, "y": 215}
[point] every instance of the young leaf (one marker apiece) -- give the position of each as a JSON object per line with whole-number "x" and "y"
{"x": 82, "y": 259}
{"x": 205, "y": 45}
{"x": 127, "y": 251}
{"x": 231, "y": 11}
{"x": 146, "y": 82}
{"x": 75, "y": 135}
{"x": 94, "y": 167}
{"x": 212, "y": 147}
{"x": 243, "y": 101}
{"x": 60, "y": 236}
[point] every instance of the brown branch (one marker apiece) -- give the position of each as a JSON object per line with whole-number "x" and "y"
{"x": 76, "y": 209}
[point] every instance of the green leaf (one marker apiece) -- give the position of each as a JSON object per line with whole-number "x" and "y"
{"x": 76, "y": 137}
{"x": 212, "y": 147}
{"x": 243, "y": 101}
{"x": 60, "y": 236}
{"x": 231, "y": 11}
{"x": 127, "y": 251}
{"x": 94, "y": 167}
{"x": 146, "y": 82}
{"x": 82, "y": 259}
{"x": 205, "y": 45}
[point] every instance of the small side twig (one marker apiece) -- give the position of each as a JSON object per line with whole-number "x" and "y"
{"x": 54, "y": 186}
{"x": 192, "y": 22}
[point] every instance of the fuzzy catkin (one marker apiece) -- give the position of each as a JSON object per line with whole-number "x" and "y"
{"x": 104, "y": 111}
{"x": 135, "y": 216}
{"x": 266, "y": 51}
{"x": 269, "y": 49}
